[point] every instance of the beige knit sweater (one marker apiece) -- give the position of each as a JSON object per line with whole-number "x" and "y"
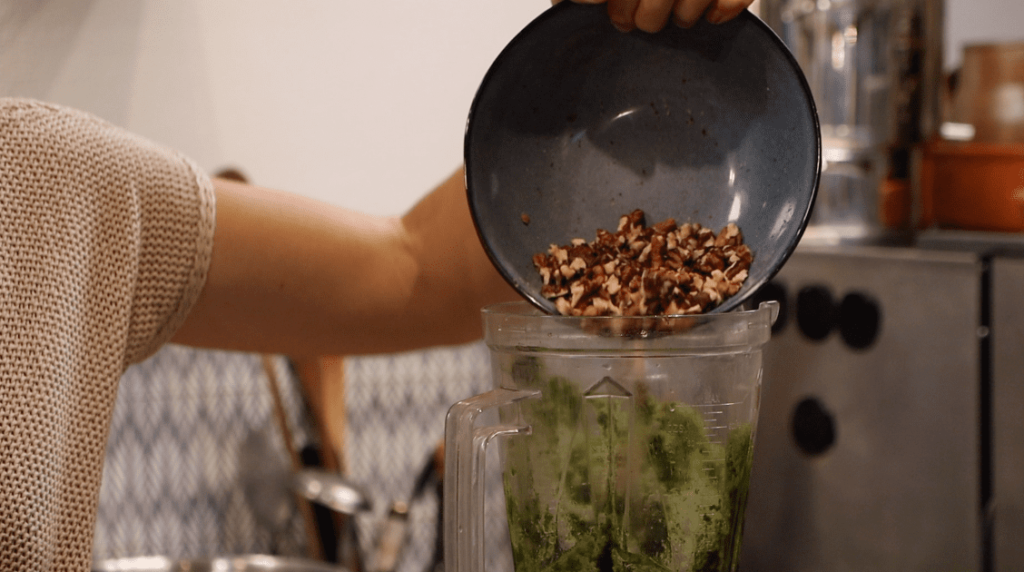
{"x": 105, "y": 240}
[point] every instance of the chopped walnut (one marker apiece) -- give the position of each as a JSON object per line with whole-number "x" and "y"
{"x": 664, "y": 269}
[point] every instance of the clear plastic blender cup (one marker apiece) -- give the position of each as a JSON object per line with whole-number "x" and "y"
{"x": 626, "y": 441}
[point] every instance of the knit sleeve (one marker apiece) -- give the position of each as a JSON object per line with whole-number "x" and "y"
{"x": 145, "y": 212}
{"x": 105, "y": 240}
{"x": 175, "y": 241}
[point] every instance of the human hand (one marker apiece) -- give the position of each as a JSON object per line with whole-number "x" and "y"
{"x": 652, "y": 15}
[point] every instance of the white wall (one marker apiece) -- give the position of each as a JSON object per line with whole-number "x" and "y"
{"x": 361, "y": 104}
{"x": 358, "y": 103}
{"x": 980, "y": 22}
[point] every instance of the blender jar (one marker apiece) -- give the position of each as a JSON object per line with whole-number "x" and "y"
{"x": 627, "y": 441}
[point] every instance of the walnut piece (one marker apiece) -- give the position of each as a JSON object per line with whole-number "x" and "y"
{"x": 664, "y": 269}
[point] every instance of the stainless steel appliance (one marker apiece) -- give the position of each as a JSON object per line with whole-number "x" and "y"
{"x": 875, "y": 69}
{"x": 891, "y": 435}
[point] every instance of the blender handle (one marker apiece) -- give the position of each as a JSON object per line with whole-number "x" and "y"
{"x": 465, "y": 447}
{"x": 773, "y": 309}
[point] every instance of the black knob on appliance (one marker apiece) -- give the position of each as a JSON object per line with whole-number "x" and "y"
{"x": 773, "y": 291}
{"x": 815, "y": 312}
{"x": 813, "y": 427}
{"x": 860, "y": 319}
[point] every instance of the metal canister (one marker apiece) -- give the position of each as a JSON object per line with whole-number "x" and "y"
{"x": 875, "y": 70}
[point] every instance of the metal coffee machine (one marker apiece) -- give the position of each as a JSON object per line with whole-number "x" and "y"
{"x": 890, "y": 436}
{"x": 875, "y": 70}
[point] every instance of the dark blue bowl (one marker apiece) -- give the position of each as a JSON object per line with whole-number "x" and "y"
{"x": 576, "y": 124}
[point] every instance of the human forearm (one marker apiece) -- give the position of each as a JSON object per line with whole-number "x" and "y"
{"x": 455, "y": 279}
{"x": 292, "y": 275}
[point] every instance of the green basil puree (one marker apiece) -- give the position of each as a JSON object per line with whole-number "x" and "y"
{"x": 586, "y": 494}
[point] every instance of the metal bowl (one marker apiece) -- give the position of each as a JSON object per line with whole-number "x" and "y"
{"x": 576, "y": 124}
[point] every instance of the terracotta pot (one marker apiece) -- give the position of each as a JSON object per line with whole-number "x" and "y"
{"x": 973, "y": 186}
{"x": 990, "y": 92}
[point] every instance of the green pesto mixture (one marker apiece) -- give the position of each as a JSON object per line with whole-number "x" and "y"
{"x": 584, "y": 494}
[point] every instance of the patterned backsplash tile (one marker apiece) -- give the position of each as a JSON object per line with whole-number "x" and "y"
{"x": 196, "y": 465}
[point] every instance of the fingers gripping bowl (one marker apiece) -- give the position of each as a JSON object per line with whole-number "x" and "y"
{"x": 576, "y": 124}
